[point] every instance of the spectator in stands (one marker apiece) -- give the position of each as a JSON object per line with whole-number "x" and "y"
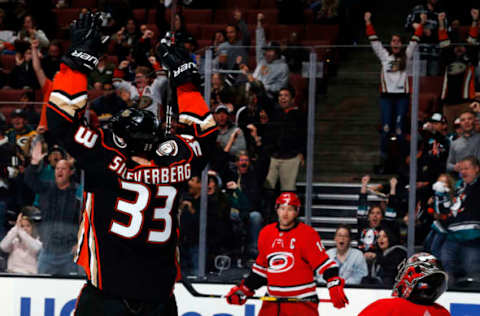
{"x": 388, "y": 256}
{"x": 458, "y": 63}
{"x": 101, "y": 75}
{"x": 230, "y": 51}
{"x": 30, "y": 32}
{"x": 247, "y": 182}
{"x": 466, "y": 145}
{"x": 370, "y": 219}
{"x": 148, "y": 94}
{"x": 59, "y": 203}
{"x": 23, "y": 75}
{"x": 51, "y": 62}
{"x": 23, "y": 245}
{"x": 395, "y": 91}
{"x": 190, "y": 44}
{"x": 9, "y": 164}
{"x": 352, "y": 264}
{"x": 285, "y": 140}
{"x": 294, "y": 53}
{"x": 28, "y": 107}
{"x": 429, "y": 51}
{"x": 457, "y": 130}
{"x": 248, "y": 117}
{"x": 239, "y": 21}
{"x": 188, "y": 210}
{"x": 125, "y": 39}
{"x": 218, "y": 215}
{"x": 111, "y": 102}
{"x": 441, "y": 202}
{"x": 230, "y": 137}
{"x": 144, "y": 46}
{"x": 45, "y": 83}
{"x": 218, "y": 38}
{"x": 21, "y": 134}
{"x": 435, "y": 146}
{"x": 460, "y": 254}
{"x": 218, "y": 86}
{"x": 271, "y": 69}
{"x": 7, "y": 34}
{"x": 328, "y": 12}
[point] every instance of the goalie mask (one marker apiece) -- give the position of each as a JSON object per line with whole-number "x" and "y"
{"x": 420, "y": 279}
{"x": 135, "y": 129}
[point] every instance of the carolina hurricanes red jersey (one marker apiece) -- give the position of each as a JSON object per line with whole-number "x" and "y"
{"x": 290, "y": 260}
{"x": 128, "y": 236}
{"x": 401, "y": 307}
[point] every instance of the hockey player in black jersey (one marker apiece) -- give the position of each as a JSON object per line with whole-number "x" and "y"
{"x": 134, "y": 176}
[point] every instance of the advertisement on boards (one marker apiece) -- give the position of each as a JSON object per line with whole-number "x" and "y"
{"x": 57, "y": 297}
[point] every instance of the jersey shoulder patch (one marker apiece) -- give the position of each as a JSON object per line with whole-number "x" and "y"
{"x": 167, "y": 148}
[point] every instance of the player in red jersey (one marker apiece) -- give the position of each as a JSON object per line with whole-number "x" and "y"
{"x": 291, "y": 256}
{"x": 420, "y": 281}
{"x": 134, "y": 177}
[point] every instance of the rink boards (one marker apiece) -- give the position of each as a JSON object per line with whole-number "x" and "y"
{"x": 56, "y": 297}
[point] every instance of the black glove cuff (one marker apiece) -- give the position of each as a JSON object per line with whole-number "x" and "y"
{"x": 330, "y": 273}
{"x": 79, "y": 60}
{"x": 254, "y": 281}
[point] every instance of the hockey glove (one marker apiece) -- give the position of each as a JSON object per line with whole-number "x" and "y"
{"x": 335, "y": 287}
{"x": 238, "y": 294}
{"x": 177, "y": 61}
{"x": 86, "y": 43}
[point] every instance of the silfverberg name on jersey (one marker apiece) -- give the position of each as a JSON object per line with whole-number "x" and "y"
{"x": 151, "y": 175}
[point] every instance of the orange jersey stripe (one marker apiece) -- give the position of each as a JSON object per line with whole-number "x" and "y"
{"x": 70, "y": 81}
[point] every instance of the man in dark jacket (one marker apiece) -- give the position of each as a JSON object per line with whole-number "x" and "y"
{"x": 60, "y": 216}
{"x": 286, "y": 140}
{"x": 244, "y": 192}
{"x": 461, "y": 251}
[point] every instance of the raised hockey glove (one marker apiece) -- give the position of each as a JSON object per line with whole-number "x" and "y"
{"x": 176, "y": 60}
{"x": 335, "y": 287}
{"x": 238, "y": 294}
{"x": 86, "y": 43}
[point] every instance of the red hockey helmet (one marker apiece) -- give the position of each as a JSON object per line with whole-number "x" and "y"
{"x": 288, "y": 198}
{"x": 420, "y": 279}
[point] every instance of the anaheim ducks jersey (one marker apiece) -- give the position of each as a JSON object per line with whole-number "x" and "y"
{"x": 128, "y": 236}
{"x": 400, "y": 307}
{"x": 291, "y": 259}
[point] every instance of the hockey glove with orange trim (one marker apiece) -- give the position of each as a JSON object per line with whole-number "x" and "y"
{"x": 86, "y": 43}
{"x": 335, "y": 287}
{"x": 238, "y": 294}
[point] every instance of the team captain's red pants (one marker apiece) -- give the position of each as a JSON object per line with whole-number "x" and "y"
{"x": 289, "y": 309}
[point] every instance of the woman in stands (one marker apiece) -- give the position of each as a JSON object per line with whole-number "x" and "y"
{"x": 395, "y": 90}
{"x": 23, "y": 245}
{"x": 372, "y": 219}
{"x": 30, "y": 32}
{"x": 388, "y": 256}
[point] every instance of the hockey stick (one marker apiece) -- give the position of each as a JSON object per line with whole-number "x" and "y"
{"x": 195, "y": 293}
{"x": 170, "y": 92}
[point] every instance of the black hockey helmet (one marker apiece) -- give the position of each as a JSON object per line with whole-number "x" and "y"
{"x": 420, "y": 279}
{"x": 135, "y": 129}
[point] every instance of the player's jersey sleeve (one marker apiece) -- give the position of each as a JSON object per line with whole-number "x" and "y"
{"x": 65, "y": 108}
{"x": 316, "y": 256}
{"x": 193, "y": 110}
{"x": 194, "y": 113}
{"x": 258, "y": 275}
